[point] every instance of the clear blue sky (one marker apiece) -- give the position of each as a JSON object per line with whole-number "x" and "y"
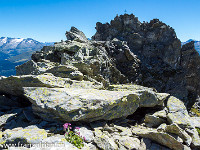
{"x": 47, "y": 20}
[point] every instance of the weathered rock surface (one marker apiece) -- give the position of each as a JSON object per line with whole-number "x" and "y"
{"x": 70, "y": 104}
{"x": 155, "y": 119}
{"x": 29, "y": 135}
{"x": 165, "y": 65}
{"x": 160, "y": 137}
{"x": 177, "y": 112}
{"x": 88, "y": 134}
{"x": 14, "y": 85}
{"x": 195, "y": 121}
{"x": 104, "y": 140}
{"x": 76, "y": 35}
{"x": 175, "y": 129}
{"x": 87, "y": 60}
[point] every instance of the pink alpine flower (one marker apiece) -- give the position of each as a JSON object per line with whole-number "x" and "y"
{"x": 66, "y": 126}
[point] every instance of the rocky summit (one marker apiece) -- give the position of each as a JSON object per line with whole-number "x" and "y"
{"x": 130, "y": 87}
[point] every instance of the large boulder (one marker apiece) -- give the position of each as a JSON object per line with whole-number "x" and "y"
{"x": 72, "y": 104}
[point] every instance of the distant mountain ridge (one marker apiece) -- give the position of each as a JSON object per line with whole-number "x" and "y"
{"x": 196, "y": 44}
{"x": 15, "y": 51}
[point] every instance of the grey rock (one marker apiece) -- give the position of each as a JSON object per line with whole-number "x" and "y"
{"x": 162, "y": 127}
{"x": 86, "y": 133}
{"x": 14, "y": 85}
{"x": 58, "y": 141}
{"x": 75, "y": 34}
{"x": 177, "y": 113}
{"x": 165, "y": 65}
{"x": 195, "y": 137}
{"x": 160, "y": 137}
{"x": 5, "y": 118}
{"x": 31, "y": 135}
{"x": 156, "y": 119}
{"x": 195, "y": 121}
{"x": 175, "y": 129}
{"x": 74, "y": 104}
{"x": 128, "y": 142}
{"x": 104, "y": 140}
{"x": 89, "y": 146}
{"x": 153, "y": 121}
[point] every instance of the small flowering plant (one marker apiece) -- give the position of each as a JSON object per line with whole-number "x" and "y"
{"x": 73, "y": 137}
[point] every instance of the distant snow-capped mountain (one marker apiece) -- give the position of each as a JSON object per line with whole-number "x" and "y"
{"x": 15, "y": 51}
{"x": 196, "y": 44}
{"x": 14, "y": 46}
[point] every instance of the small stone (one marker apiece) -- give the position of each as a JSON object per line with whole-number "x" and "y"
{"x": 86, "y": 133}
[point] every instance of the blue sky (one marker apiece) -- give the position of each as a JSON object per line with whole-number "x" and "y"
{"x": 47, "y": 20}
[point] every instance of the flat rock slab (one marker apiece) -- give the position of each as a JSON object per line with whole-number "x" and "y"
{"x": 14, "y": 84}
{"x": 29, "y": 135}
{"x": 160, "y": 137}
{"x": 71, "y": 104}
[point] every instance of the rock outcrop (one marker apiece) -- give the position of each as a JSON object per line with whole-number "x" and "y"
{"x": 164, "y": 64}
{"x": 128, "y": 88}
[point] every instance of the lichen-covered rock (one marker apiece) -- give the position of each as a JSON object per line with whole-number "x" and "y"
{"x": 64, "y": 71}
{"x": 175, "y": 129}
{"x": 195, "y": 121}
{"x": 124, "y": 87}
{"x": 128, "y": 142}
{"x": 89, "y": 146}
{"x": 86, "y": 133}
{"x": 14, "y": 85}
{"x": 104, "y": 140}
{"x": 160, "y": 137}
{"x": 98, "y": 60}
{"x": 156, "y": 119}
{"x": 195, "y": 137}
{"x": 29, "y": 135}
{"x": 153, "y": 121}
{"x": 177, "y": 112}
{"x": 71, "y": 104}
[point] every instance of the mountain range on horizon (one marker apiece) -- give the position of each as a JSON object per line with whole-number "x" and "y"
{"x": 16, "y": 51}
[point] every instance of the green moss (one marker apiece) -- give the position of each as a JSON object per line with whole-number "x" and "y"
{"x": 196, "y": 111}
{"x": 198, "y": 130}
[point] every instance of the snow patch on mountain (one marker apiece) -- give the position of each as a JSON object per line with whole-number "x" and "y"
{"x": 15, "y": 50}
